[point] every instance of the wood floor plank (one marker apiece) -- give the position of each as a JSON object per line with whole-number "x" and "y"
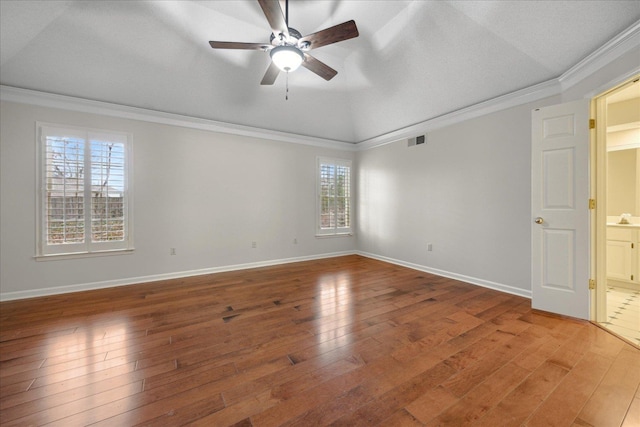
{"x": 566, "y": 401}
{"x": 476, "y": 373}
{"x": 610, "y": 402}
{"x": 375, "y": 411}
{"x": 186, "y": 414}
{"x": 632, "y": 418}
{"x": 516, "y": 407}
{"x": 347, "y": 341}
{"x": 234, "y": 414}
{"x": 284, "y": 385}
{"x": 431, "y": 404}
{"x": 400, "y": 418}
{"x": 35, "y": 414}
{"x": 61, "y": 386}
{"x": 83, "y": 386}
{"x": 475, "y": 404}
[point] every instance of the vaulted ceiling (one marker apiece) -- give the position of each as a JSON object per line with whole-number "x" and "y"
{"x": 413, "y": 61}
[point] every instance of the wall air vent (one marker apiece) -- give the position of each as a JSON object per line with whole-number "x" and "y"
{"x": 418, "y": 140}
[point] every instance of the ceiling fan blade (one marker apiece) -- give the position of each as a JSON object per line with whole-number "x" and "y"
{"x": 271, "y": 75}
{"x": 345, "y": 31}
{"x": 318, "y": 67}
{"x": 273, "y": 13}
{"x": 239, "y": 45}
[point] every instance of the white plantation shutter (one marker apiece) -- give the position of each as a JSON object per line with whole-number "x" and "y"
{"x": 64, "y": 189}
{"x": 334, "y": 196}
{"x": 84, "y": 205}
{"x": 108, "y": 201}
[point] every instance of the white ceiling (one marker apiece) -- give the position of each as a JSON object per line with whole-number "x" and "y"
{"x": 414, "y": 60}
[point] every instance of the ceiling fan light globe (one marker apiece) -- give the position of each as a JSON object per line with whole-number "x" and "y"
{"x": 287, "y": 58}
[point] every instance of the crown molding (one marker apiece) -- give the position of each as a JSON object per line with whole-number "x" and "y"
{"x": 616, "y": 47}
{"x": 513, "y": 99}
{"x": 624, "y": 42}
{"x": 70, "y": 103}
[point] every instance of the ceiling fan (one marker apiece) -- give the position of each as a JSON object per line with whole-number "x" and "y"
{"x": 288, "y": 48}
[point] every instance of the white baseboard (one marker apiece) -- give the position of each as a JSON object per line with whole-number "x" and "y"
{"x": 10, "y": 296}
{"x": 474, "y": 281}
{"x": 623, "y": 284}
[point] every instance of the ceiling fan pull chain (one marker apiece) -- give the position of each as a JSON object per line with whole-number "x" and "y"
{"x": 286, "y": 95}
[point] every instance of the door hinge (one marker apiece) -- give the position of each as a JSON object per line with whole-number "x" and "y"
{"x": 592, "y": 284}
{"x": 592, "y": 204}
{"x": 592, "y": 123}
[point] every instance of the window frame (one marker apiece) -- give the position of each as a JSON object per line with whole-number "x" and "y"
{"x": 44, "y": 250}
{"x": 334, "y": 231}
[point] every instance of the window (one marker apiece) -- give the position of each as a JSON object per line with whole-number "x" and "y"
{"x": 334, "y": 197}
{"x": 84, "y": 197}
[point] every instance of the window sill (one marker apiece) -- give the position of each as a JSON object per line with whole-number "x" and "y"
{"x": 78, "y": 255}
{"x": 322, "y": 236}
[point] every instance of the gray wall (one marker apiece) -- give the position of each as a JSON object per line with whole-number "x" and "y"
{"x": 209, "y": 195}
{"x": 466, "y": 192}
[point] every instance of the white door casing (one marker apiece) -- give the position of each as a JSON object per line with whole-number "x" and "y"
{"x": 559, "y": 202}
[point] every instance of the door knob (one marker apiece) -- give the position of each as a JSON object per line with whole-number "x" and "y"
{"x": 538, "y": 220}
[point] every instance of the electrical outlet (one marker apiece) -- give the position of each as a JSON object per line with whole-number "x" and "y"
{"x": 430, "y": 247}
{"x": 254, "y": 245}
{"x": 172, "y": 251}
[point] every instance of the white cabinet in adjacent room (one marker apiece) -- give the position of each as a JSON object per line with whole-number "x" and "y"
{"x": 623, "y": 255}
{"x": 636, "y": 277}
{"x": 619, "y": 260}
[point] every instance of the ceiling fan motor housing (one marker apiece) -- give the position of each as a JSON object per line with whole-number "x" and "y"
{"x": 292, "y": 40}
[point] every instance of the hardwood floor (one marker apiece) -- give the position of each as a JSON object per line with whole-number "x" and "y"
{"x": 345, "y": 341}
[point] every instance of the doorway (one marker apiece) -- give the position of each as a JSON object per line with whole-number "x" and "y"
{"x": 618, "y": 210}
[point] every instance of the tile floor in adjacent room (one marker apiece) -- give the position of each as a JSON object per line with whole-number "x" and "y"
{"x": 623, "y": 313}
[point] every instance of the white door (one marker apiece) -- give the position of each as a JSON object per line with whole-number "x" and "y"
{"x": 560, "y": 209}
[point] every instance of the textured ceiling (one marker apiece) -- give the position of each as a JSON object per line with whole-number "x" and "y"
{"x": 414, "y": 60}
